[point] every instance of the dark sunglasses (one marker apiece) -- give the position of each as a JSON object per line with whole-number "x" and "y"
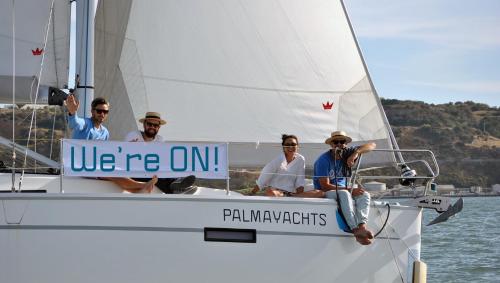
{"x": 149, "y": 124}
{"x": 100, "y": 111}
{"x": 339, "y": 142}
{"x": 290, "y": 144}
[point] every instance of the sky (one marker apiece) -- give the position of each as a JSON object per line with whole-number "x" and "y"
{"x": 435, "y": 51}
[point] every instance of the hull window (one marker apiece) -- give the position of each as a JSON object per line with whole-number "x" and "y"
{"x": 230, "y": 235}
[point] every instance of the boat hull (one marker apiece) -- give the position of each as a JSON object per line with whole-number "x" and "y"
{"x": 162, "y": 238}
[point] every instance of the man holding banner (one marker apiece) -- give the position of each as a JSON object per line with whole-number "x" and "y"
{"x": 92, "y": 129}
{"x": 151, "y": 124}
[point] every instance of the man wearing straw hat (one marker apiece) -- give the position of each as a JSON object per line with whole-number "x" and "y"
{"x": 331, "y": 170}
{"x": 152, "y": 122}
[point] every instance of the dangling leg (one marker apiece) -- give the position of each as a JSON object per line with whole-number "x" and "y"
{"x": 362, "y": 211}
{"x": 134, "y": 186}
{"x": 347, "y": 206}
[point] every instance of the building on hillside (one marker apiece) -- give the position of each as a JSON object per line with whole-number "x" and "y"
{"x": 496, "y": 189}
{"x": 8, "y": 106}
{"x": 462, "y": 191}
{"x": 445, "y": 189}
{"x": 375, "y": 186}
{"x": 476, "y": 189}
{"x": 404, "y": 191}
{"x": 33, "y": 106}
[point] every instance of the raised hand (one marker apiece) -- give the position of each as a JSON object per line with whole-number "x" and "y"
{"x": 72, "y": 104}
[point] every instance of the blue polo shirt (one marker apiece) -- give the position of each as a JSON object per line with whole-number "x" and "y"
{"x": 326, "y": 166}
{"x": 83, "y": 129}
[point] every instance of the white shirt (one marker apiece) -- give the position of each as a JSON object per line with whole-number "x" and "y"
{"x": 282, "y": 175}
{"x": 137, "y": 136}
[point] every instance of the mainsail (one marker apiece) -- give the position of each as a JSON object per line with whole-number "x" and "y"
{"x": 242, "y": 72}
{"x": 30, "y": 25}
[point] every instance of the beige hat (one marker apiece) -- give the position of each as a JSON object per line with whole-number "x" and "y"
{"x": 338, "y": 135}
{"x": 153, "y": 116}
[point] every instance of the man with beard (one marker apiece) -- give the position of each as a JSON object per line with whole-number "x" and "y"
{"x": 92, "y": 129}
{"x": 152, "y": 123}
{"x": 331, "y": 171}
{"x": 88, "y": 128}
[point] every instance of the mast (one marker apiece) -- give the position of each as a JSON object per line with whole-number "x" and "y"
{"x": 85, "y": 12}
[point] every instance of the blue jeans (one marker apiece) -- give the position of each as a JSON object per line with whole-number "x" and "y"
{"x": 355, "y": 210}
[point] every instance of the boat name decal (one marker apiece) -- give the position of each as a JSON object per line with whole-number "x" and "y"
{"x": 274, "y": 216}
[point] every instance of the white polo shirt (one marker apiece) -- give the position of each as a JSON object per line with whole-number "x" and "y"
{"x": 282, "y": 175}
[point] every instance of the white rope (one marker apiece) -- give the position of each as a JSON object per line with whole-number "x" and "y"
{"x": 37, "y": 90}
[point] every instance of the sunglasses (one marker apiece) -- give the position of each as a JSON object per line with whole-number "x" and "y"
{"x": 100, "y": 111}
{"x": 290, "y": 144}
{"x": 339, "y": 142}
{"x": 155, "y": 125}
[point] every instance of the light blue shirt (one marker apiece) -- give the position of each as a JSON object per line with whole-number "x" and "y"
{"x": 83, "y": 129}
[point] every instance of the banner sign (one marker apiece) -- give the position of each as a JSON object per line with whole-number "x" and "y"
{"x": 144, "y": 159}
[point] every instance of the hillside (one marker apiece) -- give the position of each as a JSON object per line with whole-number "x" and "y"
{"x": 464, "y": 136}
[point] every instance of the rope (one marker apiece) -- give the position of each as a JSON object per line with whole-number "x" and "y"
{"x": 386, "y": 219}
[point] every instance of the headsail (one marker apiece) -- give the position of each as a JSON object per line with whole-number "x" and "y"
{"x": 31, "y": 19}
{"x": 237, "y": 71}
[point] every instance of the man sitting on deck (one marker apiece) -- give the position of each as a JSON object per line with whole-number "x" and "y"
{"x": 331, "y": 170}
{"x": 152, "y": 123}
{"x": 92, "y": 129}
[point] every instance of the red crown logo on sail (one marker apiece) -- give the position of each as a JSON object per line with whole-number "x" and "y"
{"x": 37, "y": 51}
{"x": 327, "y": 105}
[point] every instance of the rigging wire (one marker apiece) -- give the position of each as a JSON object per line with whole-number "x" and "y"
{"x": 37, "y": 90}
{"x": 390, "y": 248}
{"x": 13, "y": 188}
{"x": 53, "y": 130}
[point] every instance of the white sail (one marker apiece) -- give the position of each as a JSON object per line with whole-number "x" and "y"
{"x": 31, "y": 20}
{"x": 237, "y": 71}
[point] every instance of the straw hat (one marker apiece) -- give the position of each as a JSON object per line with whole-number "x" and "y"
{"x": 338, "y": 135}
{"x": 153, "y": 116}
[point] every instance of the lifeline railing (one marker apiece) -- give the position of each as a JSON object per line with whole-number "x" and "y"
{"x": 432, "y": 174}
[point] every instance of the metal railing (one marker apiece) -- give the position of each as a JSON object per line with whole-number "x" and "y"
{"x": 432, "y": 171}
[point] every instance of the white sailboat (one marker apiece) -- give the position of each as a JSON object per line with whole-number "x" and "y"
{"x": 240, "y": 72}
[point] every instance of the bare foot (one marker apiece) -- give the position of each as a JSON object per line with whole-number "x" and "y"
{"x": 362, "y": 234}
{"x": 149, "y": 186}
{"x": 363, "y": 241}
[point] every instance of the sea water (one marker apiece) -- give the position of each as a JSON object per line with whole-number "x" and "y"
{"x": 466, "y": 248}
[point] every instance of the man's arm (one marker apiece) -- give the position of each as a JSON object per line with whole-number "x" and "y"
{"x": 131, "y": 137}
{"x": 367, "y": 147}
{"x": 74, "y": 122}
{"x": 321, "y": 169}
{"x": 324, "y": 182}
